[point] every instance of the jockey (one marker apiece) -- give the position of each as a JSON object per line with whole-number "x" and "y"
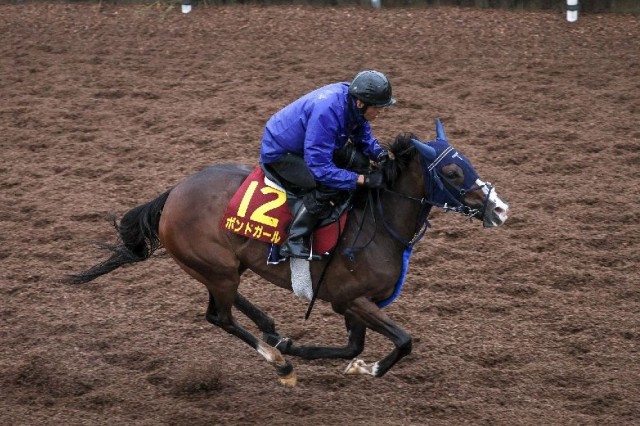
{"x": 300, "y": 140}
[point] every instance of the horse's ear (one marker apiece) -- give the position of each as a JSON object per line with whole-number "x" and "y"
{"x": 440, "y": 130}
{"x": 424, "y": 150}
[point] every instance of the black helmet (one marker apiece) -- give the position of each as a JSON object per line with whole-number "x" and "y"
{"x": 372, "y": 88}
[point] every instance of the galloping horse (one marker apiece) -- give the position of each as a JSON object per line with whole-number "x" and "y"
{"x": 384, "y": 224}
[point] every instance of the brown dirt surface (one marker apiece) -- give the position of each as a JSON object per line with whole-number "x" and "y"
{"x": 104, "y": 107}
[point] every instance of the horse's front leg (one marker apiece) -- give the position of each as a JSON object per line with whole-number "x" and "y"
{"x": 265, "y": 323}
{"x": 354, "y": 346}
{"x": 368, "y": 313}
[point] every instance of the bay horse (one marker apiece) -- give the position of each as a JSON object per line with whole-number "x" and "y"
{"x": 378, "y": 237}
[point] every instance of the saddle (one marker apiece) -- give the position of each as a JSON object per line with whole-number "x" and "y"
{"x": 260, "y": 210}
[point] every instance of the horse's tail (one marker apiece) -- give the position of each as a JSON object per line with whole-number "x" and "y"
{"x": 138, "y": 232}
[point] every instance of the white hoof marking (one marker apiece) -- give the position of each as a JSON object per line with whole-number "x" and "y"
{"x": 358, "y": 366}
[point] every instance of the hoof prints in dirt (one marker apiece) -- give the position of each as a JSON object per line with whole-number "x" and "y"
{"x": 40, "y": 375}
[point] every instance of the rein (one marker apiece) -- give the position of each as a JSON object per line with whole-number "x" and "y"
{"x": 421, "y": 224}
{"x": 434, "y": 182}
{"x": 433, "y": 178}
{"x": 351, "y": 251}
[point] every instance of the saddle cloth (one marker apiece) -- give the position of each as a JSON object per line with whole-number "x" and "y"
{"x": 259, "y": 211}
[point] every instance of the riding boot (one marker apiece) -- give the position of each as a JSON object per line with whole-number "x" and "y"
{"x": 298, "y": 242}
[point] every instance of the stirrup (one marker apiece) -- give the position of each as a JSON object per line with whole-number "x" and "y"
{"x": 285, "y": 252}
{"x": 310, "y": 257}
{"x": 313, "y": 256}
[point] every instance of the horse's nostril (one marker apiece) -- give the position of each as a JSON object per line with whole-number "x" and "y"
{"x": 500, "y": 211}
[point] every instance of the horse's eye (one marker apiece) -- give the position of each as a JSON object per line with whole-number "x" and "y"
{"x": 452, "y": 175}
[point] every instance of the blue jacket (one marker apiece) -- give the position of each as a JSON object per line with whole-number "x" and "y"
{"x": 316, "y": 125}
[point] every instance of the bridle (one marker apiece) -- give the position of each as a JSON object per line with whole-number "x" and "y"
{"x": 450, "y": 198}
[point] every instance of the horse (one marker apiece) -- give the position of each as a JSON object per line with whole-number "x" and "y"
{"x": 373, "y": 249}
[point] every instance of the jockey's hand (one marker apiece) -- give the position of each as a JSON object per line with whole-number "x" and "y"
{"x": 382, "y": 157}
{"x": 374, "y": 180}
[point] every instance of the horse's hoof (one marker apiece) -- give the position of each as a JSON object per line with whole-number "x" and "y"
{"x": 290, "y": 380}
{"x": 358, "y": 366}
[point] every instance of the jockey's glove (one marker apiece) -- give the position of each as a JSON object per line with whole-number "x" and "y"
{"x": 374, "y": 180}
{"x": 382, "y": 157}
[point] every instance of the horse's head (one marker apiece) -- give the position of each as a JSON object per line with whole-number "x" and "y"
{"x": 452, "y": 183}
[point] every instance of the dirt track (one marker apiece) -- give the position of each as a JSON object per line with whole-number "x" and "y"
{"x": 533, "y": 323}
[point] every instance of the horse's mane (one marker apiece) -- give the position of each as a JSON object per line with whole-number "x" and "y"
{"x": 402, "y": 151}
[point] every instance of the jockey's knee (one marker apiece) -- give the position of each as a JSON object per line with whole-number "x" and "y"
{"x": 316, "y": 205}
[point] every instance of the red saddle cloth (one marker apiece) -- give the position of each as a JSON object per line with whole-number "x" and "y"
{"x": 260, "y": 212}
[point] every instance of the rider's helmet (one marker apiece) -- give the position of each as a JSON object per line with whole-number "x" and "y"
{"x": 372, "y": 88}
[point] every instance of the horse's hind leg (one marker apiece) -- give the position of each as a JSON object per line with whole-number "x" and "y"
{"x": 222, "y": 294}
{"x": 264, "y": 322}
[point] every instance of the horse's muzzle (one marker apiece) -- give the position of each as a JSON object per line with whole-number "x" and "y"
{"x": 496, "y": 212}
